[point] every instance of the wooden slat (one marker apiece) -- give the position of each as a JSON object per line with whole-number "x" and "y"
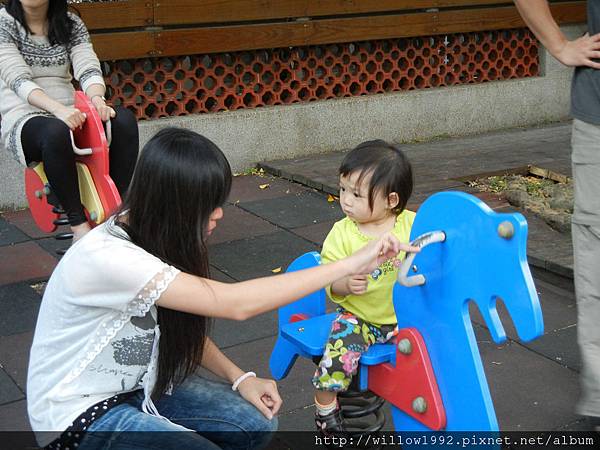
{"x": 111, "y": 15}
{"x": 221, "y": 11}
{"x": 256, "y": 36}
{"x": 124, "y": 45}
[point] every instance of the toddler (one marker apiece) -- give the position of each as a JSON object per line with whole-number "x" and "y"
{"x": 375, "y": 184}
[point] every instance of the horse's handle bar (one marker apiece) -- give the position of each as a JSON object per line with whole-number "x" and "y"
{"x": 86, "y": 150}
{"x": 422, "y": 241}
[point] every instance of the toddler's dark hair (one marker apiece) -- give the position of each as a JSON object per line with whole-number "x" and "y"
{"x": 389, "y": 167}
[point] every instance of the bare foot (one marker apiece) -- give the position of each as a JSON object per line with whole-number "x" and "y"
{"x": 80, "y": 230}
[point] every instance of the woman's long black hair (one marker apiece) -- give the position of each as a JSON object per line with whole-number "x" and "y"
{"x": 180, "y": 179}
{"x": 60, "y": 26}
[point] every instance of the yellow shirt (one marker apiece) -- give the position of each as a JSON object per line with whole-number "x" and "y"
{"x": 375, "y": 305}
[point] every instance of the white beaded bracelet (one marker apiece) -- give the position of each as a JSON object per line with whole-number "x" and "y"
{"x": 237, "y": 382}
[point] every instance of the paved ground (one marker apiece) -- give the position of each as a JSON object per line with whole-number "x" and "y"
{"x": 533, "y": 385}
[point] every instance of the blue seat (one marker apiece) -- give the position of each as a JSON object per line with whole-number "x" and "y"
{"x": 310, "y": 336}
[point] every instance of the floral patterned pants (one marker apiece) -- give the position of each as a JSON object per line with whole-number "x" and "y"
{"x": 349, "y": 338}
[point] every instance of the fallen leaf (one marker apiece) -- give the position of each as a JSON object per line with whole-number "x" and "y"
{"x": 277, "y": 270}
{"x": 331, "y": 198}
{"x": 264, "y": 186}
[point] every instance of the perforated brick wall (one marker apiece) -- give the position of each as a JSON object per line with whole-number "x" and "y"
{"x": 175, "y": 86}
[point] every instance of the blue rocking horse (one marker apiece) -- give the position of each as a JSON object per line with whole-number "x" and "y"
{"x": 432, "y": 374}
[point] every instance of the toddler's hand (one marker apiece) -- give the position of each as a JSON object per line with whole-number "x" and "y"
{"x": 357, "y": 284}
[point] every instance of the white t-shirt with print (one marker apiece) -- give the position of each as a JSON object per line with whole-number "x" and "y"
{"x": 96, "y": 334}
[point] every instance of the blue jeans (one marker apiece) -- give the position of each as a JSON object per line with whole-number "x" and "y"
{"x": 221, "y": 418}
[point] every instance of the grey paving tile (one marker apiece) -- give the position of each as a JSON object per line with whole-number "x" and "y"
{"x": 19, "y": 304}
{"x": 216, "y": 274}
{"x": 436, "y": 185}
{"x": 14, "y": 356}
{"x": 248, "y": 188}
{"x": 559, "y": 306}
{"x": 296, "y": 211}
{"x": 258, "y": 256}
{"x": 25, "y": 261}
{"x": 13, "y": 417}
{"x": 315, "y": 233}
{"x": 559, "y": 346}
{"x": 9, "y": 234}
{"x": 301, "y": 419}
{"x": 327, "y": 165}
{"x": 553, "y": 279}
{"x": 52, "y": 245}
{"x": 24, "y": 221}
{"x": 529, "y": 391}
{"x": 558, "y": 310}
{"x": 562, "y": 265}
{"x": 227, "y": 333}
{"x": 239, "y": 224}
{"x": 9, "y": 391}
{"x": 581, "y": 424}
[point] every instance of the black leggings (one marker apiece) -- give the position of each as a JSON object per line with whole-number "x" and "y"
{"x": 47, "y": 139}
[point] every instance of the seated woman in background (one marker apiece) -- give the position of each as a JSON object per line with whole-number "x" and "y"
{"x": 40, "y": 42}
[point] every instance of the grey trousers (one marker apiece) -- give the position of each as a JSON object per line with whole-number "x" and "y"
{"x": 586, "y": 248}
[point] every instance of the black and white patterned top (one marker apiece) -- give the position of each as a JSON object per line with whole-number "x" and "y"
{"x": 29, "y": 62}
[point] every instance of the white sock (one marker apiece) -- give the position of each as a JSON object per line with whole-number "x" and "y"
{"x": 324, "y": 410}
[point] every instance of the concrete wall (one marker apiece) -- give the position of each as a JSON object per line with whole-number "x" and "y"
{"x": 253, "y": 135}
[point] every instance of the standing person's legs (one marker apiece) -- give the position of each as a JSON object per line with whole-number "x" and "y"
{"x": 48, "y": 140}
{"x": 124, "y": 148}
{"x": 586, "y": 249}
{"x": 586, "y": 244}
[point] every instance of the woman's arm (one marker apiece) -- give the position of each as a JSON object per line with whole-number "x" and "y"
{"x": 240, "y": 301}
{"x": 87, "y": 70}
{"x": 69, "y": 115}
{"x": 215, "y": 361}
{"x": 96, "y": 93}
{"x": 580, "y": 52}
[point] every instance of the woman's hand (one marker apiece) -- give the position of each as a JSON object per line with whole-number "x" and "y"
{"x": 69, "y": 115}
{"x": 104, "y": 111}
{"x": 263, "y": 394}
{"x": 377, "y": 252}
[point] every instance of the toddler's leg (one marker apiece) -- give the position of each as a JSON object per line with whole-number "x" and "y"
{"x": 339, "y": 364}
{"x": 342, "y": 353}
